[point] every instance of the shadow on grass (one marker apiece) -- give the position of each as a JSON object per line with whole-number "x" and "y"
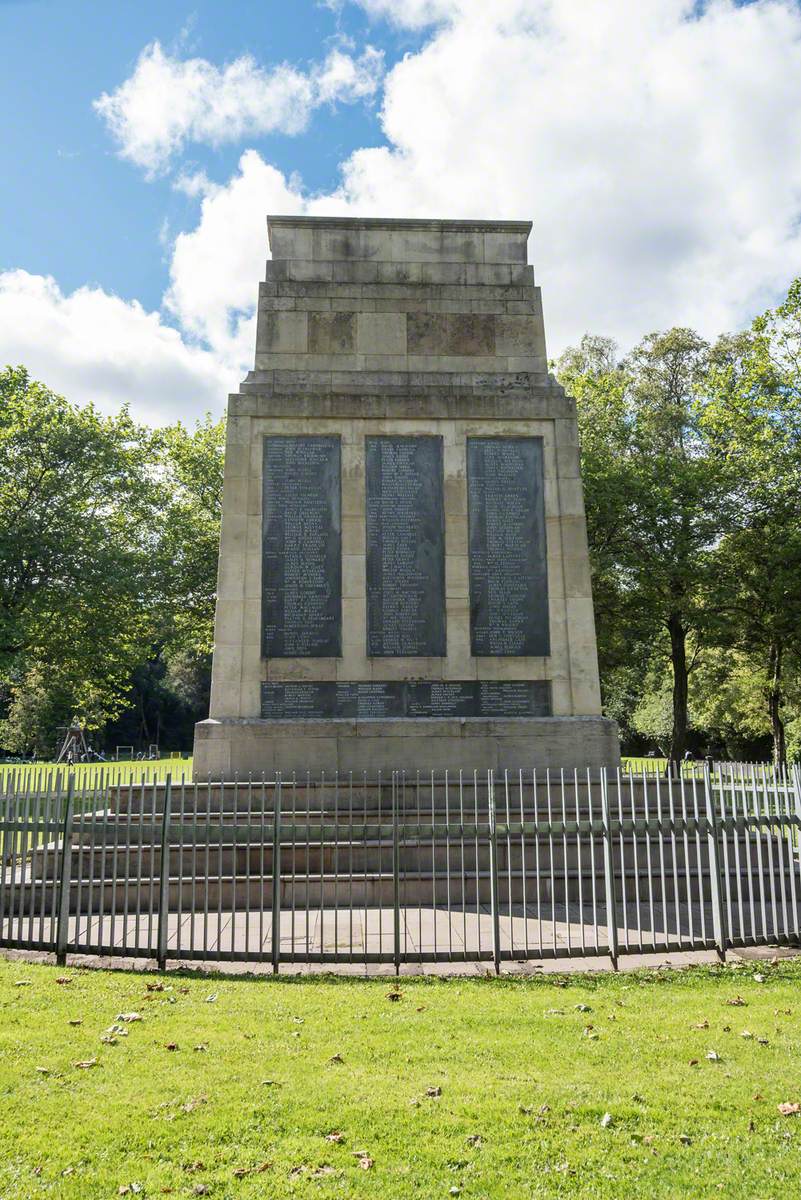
{"x": 683, "y": 976}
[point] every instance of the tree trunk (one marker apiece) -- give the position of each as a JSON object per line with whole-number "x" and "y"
{"x": 678, "y": 658}
{"x": 774, "y": 704}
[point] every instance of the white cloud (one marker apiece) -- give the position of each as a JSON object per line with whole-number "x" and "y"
{"x": 657, "y": 147}
{"x": 169, "y": 101}
{"x": 94, "y": 347}
{"x": 216, "y": 268}
{"x": 414, "y": 14}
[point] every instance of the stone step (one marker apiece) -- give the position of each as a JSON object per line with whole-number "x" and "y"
{"x": 98, "y": 892}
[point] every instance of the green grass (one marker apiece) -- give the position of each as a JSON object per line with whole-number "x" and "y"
{"x": 524, "y": 1088}
{"x": 89, "y": 774}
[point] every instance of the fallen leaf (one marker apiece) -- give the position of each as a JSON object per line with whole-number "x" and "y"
{"x": 751, "y": 1127}
{"x": 43, "y": 1070}
{"x": 23, "y": 983}
{"x": 155, "y": 987}
{"x": 554, "y": 1012}
{"x": 544, "y": 1108}
{"x": 762, "y": 1041}
{"x": 76, "y": 1021}
{"x": 789, "y": 1108}
{"x": 86, "y": 1064}
{"x": 259, "y": 1169}
{"x": 433, "y": 1092}
{"x": 212, "y": 998}
{"x": 171, "y": 1046}
{"x": 323, "y": 1169}
{"x": 685, "y": 1139}
{"x": 475, "y": 1139}
{"x": 200, "y": 1047}
{"x": 701, "y": 1025}
{"x": 454, "y": 1191}
{"x": 197, "y": 1165}
{"x": 62, "y": 979}
{"x": 747, "y": 1034}
{"x": 335, "y": 1137}
{"x": 193, "y": 1103}
{"x": 606, "y": 1120}
{"x": 200, "y": 1189}
{"x": 713, "y": 1056}
{"x": 364, "y": 1161}
{"x": 336, "y": 1058}
{"x": 394, "y": 995}
{"x": 737, "y": 1002}
{"x": 727, "y": 1028}
{"x": 421, "y": 1008}
{"x": 759, "y": 979}
{"x": 693, "y": 1062}
{"x": 129, "y": 1018}
{"x": 582, "y": 1008}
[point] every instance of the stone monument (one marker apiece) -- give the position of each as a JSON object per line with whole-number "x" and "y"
{"x": 404, "y": 581}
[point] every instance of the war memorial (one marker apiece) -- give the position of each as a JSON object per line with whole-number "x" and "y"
{"x": 405, "y": 760}
{"x": 404, "y": 579}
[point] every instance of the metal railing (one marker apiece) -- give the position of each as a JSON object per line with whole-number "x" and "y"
{"x": 488, "y": 867}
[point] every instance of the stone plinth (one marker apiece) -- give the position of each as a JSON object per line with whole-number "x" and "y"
{"x": 247, "y": 747}
{"x": 402, "y": 506}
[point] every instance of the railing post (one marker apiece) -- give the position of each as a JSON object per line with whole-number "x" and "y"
{"x": 493, "y": 851}
{"x": 276, "y": 915}
{"x": 794, "y": 774}
{"x": 396, "y": 951}
{"x": 718, "y": 914}
{"x": 609, "y": 873}
{"x": 164, "y": 881}
{"x": 65, "y": 876}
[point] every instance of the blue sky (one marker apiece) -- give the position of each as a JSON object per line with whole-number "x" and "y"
{"x": 655, "y": 144}
{"x": 77, "y": 211}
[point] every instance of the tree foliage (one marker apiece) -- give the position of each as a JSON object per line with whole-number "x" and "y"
{"x": 108, "y": 544}
{"x": 692, "y": 471}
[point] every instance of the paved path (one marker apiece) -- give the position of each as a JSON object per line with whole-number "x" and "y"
{"x": 542, "y": 943}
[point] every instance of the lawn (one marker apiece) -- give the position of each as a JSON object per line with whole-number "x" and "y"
{"x": 243, "y": 1087}
{"x": 89, "y": 775}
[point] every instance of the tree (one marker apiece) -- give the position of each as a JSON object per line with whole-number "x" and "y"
{"x": 755, "y": 418}
{"x": 192, "y": 483}
{"x": 77, "y": 541}
{"x": 658, "y": 494}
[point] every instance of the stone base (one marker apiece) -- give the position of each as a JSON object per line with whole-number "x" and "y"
{"x": 237, "y": 748}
